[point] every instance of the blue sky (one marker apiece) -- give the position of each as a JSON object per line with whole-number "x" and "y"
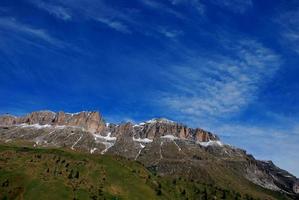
{"x": 229, "y": 66}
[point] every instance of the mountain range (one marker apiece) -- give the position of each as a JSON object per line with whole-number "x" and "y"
{"x": 162, "y": 146}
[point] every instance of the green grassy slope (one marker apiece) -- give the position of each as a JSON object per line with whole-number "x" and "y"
{"x": 29, "y": 173}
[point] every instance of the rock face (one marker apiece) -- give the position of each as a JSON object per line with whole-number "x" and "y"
{"x": 296, "y": 187}
{"x": 8, "y": 120}
{"x": 167, "y": 147}
{"x": 160, "y": 127}
{"x": 90, "y": 121}
{"x": 93, "y": 122}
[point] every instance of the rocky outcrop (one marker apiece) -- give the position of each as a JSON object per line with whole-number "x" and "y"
{"x": 296, "y": 187}
{"x": 40, "y": 117}
{"x": 160, "y": 127}
{"x": 8, "y": 120}
{"x": 90, "y": 121}
{"x": 93, "y": 122}
{"x": 204, "y": 136}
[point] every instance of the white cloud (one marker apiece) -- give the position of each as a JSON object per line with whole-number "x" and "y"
{"x": 170, "y": 33}
{"x": 55, "y": 10}
{"x": 219, "y": 86}
{"x": 160, "y": 6}
{"x": 116, "y": 25}
{"x": 13, "y": 25}
{"x": 237, "y": 6}
{"x": 289, "y": 29}
{"x": 97, "y": 10}
{"x": 197, "y": 4}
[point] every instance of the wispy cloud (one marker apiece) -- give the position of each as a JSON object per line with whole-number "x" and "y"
{"x": 289, "y": 29}
{"x": 14, "y": 26}
{"x": 96, "y": 10}
{"x": 237, "y": 6}
{"x": 197, "y": 4}
{"x": 162, "y": 7}
{"x": 219, "y": 85}
{"x": 170, "y": 33}
{"x": 55, "y": 10}
{"x": 116, "y": 25}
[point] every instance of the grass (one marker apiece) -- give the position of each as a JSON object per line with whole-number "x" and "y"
{"x": 30, "y": 173}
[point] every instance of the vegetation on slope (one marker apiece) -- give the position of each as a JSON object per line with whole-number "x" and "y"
{"x": 30, "y": 173}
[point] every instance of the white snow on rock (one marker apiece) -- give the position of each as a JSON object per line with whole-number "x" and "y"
{"x": 107, "y": 138}
{"x": 143, "y": 140}
{"x": 161, "y": 120}
{"x": 77, "y": 113}
{"x": 37, "y": 126}
{"x": 93, "y": 150}
{"x": 211, "y": 143}
{"x": 108, "y": 145}
{"x": 76, "y": 142}
{"x": 171, "y": 137}
{"x": 155, "y": 120}
{"x": 142, "y": 147}
{"x": 108, "y": 141}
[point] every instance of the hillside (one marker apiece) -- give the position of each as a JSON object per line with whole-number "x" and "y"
{"x": 30, "y": 173}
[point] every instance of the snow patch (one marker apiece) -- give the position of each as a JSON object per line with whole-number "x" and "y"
{"x": 171, "y": 137}
{"x": 76, "y": 142}
{"x": 77, "y": 113}
{"x": 211, "y": 143}
{"x": 93, "y": 150}
{"x": 108, "y": 145}
{"x": 37, "y": 126}
{"x": 161, "y": 120}
{"x": 107, "y": 138}
{"x": 142, "y": 147}
{"x": 143, "y": 140}
{"x": 153, "y": 121}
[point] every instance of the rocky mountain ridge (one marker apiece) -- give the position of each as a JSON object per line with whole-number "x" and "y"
{"x": 93, "y": 122}
{"x": 90, "y": 121}
{"x": 167, "y": 147}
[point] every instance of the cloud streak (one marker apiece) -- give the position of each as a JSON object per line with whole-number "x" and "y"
{"x": 162, "y": 7}
{"x": 55, "y": 10}
{"x": 116, "y": 25}
{"x": 289, "y": 23}
{"x": 197, "y": 4}
{"x": 236, "y": 6}
{"x": 12, "y": 25}
{"x": 98, "y": 11}
{"x": 170, "y": 33}
{"x": 220, "y": 85}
